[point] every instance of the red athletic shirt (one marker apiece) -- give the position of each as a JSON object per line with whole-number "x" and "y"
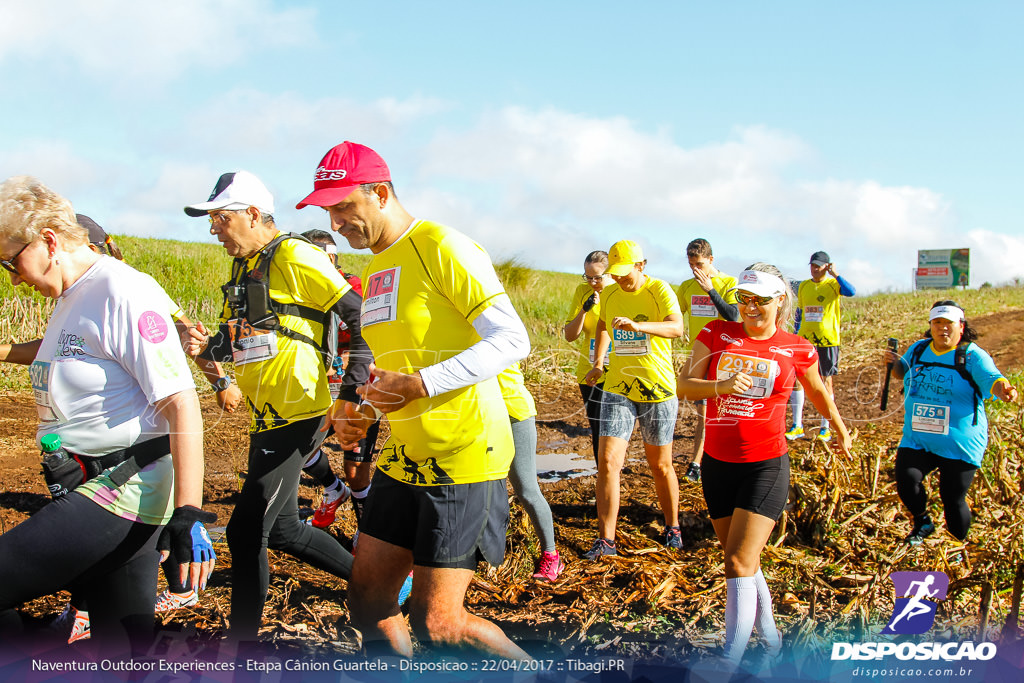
{"x": 751, "y": 427}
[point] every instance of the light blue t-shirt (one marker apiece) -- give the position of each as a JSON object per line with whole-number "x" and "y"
{"x": 940, "y": 404}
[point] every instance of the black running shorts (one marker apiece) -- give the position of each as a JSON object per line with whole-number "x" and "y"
{"x": 760, "y": 487}
{"x": 828, "y": 360}
{"x": 448, "y": 526}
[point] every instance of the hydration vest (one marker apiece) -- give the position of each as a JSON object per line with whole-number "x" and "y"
{"x": 959, "y": 365}
{"x": 248, "y": 295}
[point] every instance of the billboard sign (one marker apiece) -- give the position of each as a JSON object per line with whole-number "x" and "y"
{"x": 942, "y": 268}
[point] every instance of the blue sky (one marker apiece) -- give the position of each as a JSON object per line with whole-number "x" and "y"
{"x": 546, "y": 130}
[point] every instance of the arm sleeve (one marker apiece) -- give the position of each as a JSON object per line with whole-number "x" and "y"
{"x": 359, "y": 355}
{"x": 845, "y": 288}
{"x": 726, "y": 310}
{"x": 219, "y": 348}
{"x": 504, "y": 341}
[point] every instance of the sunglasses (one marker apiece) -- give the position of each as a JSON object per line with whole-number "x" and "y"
{"x": 747, "y": 299}
{"x": 9, "y": 263}
{"x": 596, "y": 278}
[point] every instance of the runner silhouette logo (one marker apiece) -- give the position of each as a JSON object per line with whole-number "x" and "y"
{"x": 917, "y": 596}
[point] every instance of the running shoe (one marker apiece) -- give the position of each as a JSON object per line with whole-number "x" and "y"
{"x": 403, "y": 594}
{"x": 601, "y": 547}
{"x": 673, "y": 539}
{"x": 920, "y": 532}
{"x": 81, "y": 629}
{"x": 550, "y": 567}
{"x": 824, "y": 435}
{"x": 67, "y": 623}
{"x": 693, "y": 472}
{"x": 324, "y": 515}
{"x": 167, "y": 601}
{"x": 795, "y": 432}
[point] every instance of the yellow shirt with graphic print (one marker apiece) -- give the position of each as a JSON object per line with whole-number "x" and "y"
{"x": 697, "y": 306}
{"x": 420, "y": 298}
{"x": 820, "y": 311}
{"x": 284, "y": 379}
{"x": 641, "y": 364}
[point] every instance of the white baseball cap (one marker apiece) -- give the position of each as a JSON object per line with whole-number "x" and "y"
{"x": 233, "y": 191}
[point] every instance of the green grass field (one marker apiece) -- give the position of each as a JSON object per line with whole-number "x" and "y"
{"x": 192, "y": 274}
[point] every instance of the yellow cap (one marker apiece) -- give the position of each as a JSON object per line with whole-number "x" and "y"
{"x": 622, "y": 256}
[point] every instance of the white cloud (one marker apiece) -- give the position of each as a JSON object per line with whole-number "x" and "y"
{"x": 56, "y": 164}
{"x": 995, "y": 257}
{"x": 265, "y": 125}
{"x": 551, "y": 185}
{"x": 136, "y": 41}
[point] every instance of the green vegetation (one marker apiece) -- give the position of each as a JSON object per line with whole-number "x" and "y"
{"x": 192, "y": 274}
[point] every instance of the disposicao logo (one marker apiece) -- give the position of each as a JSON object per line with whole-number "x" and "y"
{"x": 918, "y": 595}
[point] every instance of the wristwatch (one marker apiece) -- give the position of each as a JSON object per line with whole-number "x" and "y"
{"x": 221, "y": 384}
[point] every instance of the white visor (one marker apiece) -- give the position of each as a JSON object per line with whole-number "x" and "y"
{"x": 951, "y": 313}
{"x": 759, "y": 283}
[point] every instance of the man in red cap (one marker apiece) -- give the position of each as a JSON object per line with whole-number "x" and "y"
{"x": 441, "y": 328}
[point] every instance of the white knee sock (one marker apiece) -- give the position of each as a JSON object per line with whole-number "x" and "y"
{"x": 765, "y": 621}
{"x": 796, "y": 402}
{"x": 740, "y": 611}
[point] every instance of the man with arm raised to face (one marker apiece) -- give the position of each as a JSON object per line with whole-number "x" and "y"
{"x": 441, "y": 328}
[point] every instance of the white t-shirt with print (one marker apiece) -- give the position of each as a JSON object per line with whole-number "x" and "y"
{"x": 109, "y": 353}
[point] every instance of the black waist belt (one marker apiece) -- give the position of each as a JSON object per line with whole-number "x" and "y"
{"x": 128, "y": 461}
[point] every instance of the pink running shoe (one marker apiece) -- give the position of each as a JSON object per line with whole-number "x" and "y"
{"x": 550, "y": 568}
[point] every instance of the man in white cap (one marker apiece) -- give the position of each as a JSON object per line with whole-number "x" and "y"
{"x": 820, "y": 313}
{"x": 441, "y": 327}
{"x": 275, "y": 326}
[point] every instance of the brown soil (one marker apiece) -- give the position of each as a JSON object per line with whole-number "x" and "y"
{"x": 647, "y": 603}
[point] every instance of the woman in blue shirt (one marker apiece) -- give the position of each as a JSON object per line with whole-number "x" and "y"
{"x": 945, "y": 379}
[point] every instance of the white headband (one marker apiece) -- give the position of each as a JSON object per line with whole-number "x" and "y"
{"x": 947, "y": 313}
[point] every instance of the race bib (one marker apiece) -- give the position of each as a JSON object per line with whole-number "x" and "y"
{"x": 929, "y": 419}
{"x": 628, "y": 343}
{"x": 250, "y": 345}
{"x": 39, "y": 374}
{"x": 380, "y": 297}
{"x": 814, "y": 314}
{"x": 762, "y": 371}
{"x": 593, "y": 350}
{"x": 701, "y": 306}
{"x": 334, "y": 384}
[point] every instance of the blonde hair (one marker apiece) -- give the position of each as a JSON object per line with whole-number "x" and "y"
{"x": 784, "y": 316}
{"x": 27, "y": 207}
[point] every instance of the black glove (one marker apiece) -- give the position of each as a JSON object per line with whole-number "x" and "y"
{"x": 589, "y": 303}
{"x": 186, "y": 537}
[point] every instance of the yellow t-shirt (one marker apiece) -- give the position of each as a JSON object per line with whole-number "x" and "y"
{"x": 641, "y": 364}
{"x": 697, "y": 306}
{"x": 820, "y": 311}
{"x": 518, "y": 399}
{"x": 420, "y": 297}
{"x": 284, "y": 379}
{"x": 586, "y": 339}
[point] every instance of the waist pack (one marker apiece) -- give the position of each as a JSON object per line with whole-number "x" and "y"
{"x": 65, "y": 475}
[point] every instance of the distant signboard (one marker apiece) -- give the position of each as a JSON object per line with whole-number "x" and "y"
{"x": 942, "y": 268}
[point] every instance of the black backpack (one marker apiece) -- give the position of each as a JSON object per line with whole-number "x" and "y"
{"x": 248, "y": 294}
{"x": 959, "y": 364}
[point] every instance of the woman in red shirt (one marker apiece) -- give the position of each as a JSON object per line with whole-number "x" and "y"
{"x": 745, "y": 370}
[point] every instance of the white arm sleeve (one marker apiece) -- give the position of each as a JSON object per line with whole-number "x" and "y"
{"x": 504, "y": 342}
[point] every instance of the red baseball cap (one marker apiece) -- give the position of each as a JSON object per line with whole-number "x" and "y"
{"x": 344, "y": 168}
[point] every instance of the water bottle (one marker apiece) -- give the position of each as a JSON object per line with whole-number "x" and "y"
{"x": 61, "y": 472}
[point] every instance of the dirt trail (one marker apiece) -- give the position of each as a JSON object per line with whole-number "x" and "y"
{"x": 305, "y": 603}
